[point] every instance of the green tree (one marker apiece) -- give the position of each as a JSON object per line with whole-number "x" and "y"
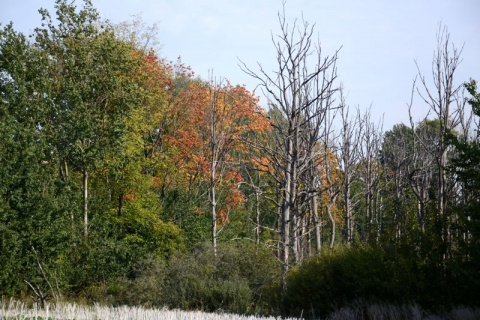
{"x": 32, "y": 226}
{"x": 70, "y": 100}
{"x": 466, "y": 167}
{"x": 89, "y": 91}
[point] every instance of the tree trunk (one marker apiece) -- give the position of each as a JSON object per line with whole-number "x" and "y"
{"x": 285, "y": 212}
{"x": 316, "y": 223}
{"x": 348, "y": 210}
{"x": 257, "y": 216}
{"x": 332, "y": 223}
{"x": 120, "y": 205}
{"x": 296, "y": 238}
{"x": 213, "y": 203}
{"x": 85, "y": 203}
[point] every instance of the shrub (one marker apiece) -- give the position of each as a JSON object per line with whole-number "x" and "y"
{"x": 336, "y": 278}
{"x": 389, "y": 275}
{"x": 240, "y": 279}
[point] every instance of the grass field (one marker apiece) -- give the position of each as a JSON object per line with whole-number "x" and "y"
{"x": 17, "y": 310}
{"x": 14, "y": 310}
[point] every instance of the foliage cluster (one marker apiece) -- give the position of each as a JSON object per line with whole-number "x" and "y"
{"x": 348, "y": 276}
{"x": 240, "y": 278}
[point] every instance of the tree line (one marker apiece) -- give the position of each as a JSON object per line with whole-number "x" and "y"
{"x": 117, "y": 166}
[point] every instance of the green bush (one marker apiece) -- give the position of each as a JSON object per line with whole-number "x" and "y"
{"x": 239, "y": 279}
{"x": 336, "y": 278}
{"x": 143, "y": 288}
{"x": 397, "y": 275}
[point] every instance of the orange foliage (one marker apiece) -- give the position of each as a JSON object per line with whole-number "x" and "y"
{"x": 236, "y": 113}
{"x": 180, "y": 119}
{"x": 131, "y": 195}
{"x": 335, "y": 175}
{"x": 198, "y": 211}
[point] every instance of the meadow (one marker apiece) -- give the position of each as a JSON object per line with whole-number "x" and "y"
{"x": 13, "y": 310}
{"x": 18, "y": 310}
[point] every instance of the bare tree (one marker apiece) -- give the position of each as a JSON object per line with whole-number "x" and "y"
{"x": 330, "y": 167}
{"x": 422, "y": 167}
{"x": 447, "y": 107}
{"x": 349, "y": 153}
{"x": 142, "y": 36}
{"x": 370, "y": 174}
{"x": 300, "y": 89}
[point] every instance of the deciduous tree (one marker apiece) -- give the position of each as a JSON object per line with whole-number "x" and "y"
{"x": 300, "y": 89}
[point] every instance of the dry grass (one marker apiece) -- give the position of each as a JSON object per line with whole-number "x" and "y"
{"x": 403, "y": 312}
{"x": 10, "y": 310}
{"x": 17, "y": 310}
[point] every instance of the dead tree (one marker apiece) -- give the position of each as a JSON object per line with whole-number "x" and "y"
{"x": 445, "y": 104}
{"x": 349, "y": 153}
{"x": 299, "y": 89}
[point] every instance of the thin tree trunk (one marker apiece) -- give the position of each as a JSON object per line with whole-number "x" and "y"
{"x": 257, "y": 216}
{"x": 120, "y": 205}
{"x": 285, "y": 239}
{"x": 332, "y": 223}
{"x": 296, "y": 238}
{"x": 85, "y": 203}
{"x": 348, "y": 212}
{"x": 213, "y": 202}
{"x": 316, "y": 223}
{"x": 286, "y": 212}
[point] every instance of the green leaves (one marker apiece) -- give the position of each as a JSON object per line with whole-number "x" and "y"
{"x": 65, "y": 101}
{"x": 474, "y": 101}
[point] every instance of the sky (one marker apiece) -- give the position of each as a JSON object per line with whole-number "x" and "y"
{"x": 381, "y": 42}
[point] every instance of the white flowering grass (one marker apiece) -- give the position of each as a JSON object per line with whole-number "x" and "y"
{"x": 17, "y": 310}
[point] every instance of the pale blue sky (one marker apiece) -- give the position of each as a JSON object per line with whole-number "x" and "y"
{"x": 381, "y": 39}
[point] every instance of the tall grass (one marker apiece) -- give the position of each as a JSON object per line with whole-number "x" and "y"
{"x": 17, "y": 310}
{"x": 400, "y": 312}
{"x": 13, "y": 310}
